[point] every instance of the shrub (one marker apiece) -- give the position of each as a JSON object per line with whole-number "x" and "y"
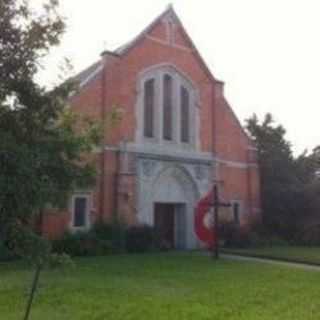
{"x": 113, "y": 234}
{"x": 256, "y": 236}
{"x": 262, "y": 237}
{"x": 309, "y": 236}
{"x": 277, "y": 241}
{"x": 102, "y": 239}
{"x": 5, "y": 253}
{"x": 238, "y": 239}
{"x": 142, "y": 238}
{"x": 232, "y": 236}
{"x": 82, "y": 244}
{"x": 58, "y": 261}
{"x": 105, "y": 239}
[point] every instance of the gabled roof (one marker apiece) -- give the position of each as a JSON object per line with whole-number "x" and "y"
{"x": 89, "y": 73}
{"x": 168, "y": 12}
{"x": 93, "y": 70}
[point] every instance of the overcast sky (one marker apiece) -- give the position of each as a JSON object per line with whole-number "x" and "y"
{"x": 266, "y": 51}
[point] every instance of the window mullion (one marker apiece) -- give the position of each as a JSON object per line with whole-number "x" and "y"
{"x": 159, "y": 106}
{"x": 177, "y": 109}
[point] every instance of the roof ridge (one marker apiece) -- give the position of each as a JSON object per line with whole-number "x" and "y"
{"x": 124, "y": 48}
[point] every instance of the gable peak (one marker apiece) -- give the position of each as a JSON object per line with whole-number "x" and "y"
{"x": 170, "y": 15}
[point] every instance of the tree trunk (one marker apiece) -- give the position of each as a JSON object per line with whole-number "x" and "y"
{"x": 33, "y": 290}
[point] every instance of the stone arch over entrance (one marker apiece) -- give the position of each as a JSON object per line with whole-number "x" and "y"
{"x": 173, "y": 184}
{"x": 171, "y": 205}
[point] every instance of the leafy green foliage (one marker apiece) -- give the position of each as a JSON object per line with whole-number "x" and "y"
{"x": 44, "y": 147}
{"x": 232, "y": 236}
{"x": 82, "y": 244}
{"x": 113, "y": 233}
{"x": 42, "y": 142}
{"x": 141, "y": 238}
{"x": 104, "y": 239}
{"x": 60, "y": 261}
{"x": 285, "y": 179}
{"x": 5, "y": 253}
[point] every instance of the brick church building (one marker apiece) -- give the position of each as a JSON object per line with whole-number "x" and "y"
{"x": 178, "y": 137}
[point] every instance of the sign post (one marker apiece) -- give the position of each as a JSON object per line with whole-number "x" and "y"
{"x": 216, "y": 204}
{"x": 206, "y": 221}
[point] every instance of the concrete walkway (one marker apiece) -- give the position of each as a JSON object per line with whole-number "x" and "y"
{"x": 303, "y": 266}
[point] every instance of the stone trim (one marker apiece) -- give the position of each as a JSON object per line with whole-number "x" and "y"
{"x": 89, "y": 209}
{"x": 236, "y": 164}
{"x": 169, "y": 152}
{"x": 174, "y": 45}
{"x": 91, "y": 76}
{"x": 158, "y": 73}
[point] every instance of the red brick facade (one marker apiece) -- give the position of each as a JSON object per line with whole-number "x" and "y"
{"x": 113, "y": 82}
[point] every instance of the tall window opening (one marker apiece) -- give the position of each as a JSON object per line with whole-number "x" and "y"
{"x": 167, "y": 110}
{"x": 167, "y": 107}
{"x": 185, "y": 114}
{"x": 80, "y": 211}
{"x": 149, "y": 108}
{"x": 236, "y": 212}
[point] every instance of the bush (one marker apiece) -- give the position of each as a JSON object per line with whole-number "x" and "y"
{"x": 102, "y": 239}
{"x": 232, "y": 236}
{"x": 235, "y": 237}
{"x": 277, "y": 241}
{"x": 238, "y": 239}
{"x": 105, "y": 239}
{"x": 142, "y": 238}
{"x": 114, "y": 234}
{"x": 82, "y": 244}
{"x": 5, "y": 253}
{"x": 309, "y": 236}
{"x": 58, "y": 261}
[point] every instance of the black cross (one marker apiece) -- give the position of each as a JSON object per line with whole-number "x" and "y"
{"x": 216, "y": 204}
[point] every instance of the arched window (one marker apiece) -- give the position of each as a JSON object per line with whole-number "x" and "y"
{"x": 167, "y": 107}
{"x": 149, "y": 108}
{"x": 167, "y": 112}
{"x": 185, "y": 114}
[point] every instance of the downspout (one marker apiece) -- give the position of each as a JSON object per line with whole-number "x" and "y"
{"x": 214, "y": 132}
{"x": 213, "y": 126}
{"x": 115, "y": 214}
{"x": 102, "y": 160}
{"x": 108, "y": 58}
{"x": 217, "y": 94}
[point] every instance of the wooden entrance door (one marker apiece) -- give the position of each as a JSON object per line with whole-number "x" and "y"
{"x": 164, "y": 223}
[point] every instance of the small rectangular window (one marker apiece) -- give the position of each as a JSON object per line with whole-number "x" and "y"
{"x": 148, "y": 108}
{"x": 185, "y": 114}
{"x": 80, "y": 211}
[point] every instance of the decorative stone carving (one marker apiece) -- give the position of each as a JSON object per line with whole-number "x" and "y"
{"x": 148, "y": 167}
{"x": 200, "y": 172}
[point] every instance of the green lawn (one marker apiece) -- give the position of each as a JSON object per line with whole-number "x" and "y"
{"x": 299, "y": 254}
{"x": 163, "y": 286}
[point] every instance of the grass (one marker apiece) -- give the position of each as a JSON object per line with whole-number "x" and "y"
{"x": 289, "y": 253}
{"x": 163, "y": 286}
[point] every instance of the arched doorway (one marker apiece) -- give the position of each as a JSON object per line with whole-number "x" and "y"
{"x": 172, "y": 199}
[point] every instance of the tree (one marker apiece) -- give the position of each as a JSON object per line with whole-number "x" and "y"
{"x": 282, "y": 177}
{"x": 42, "y": 142}
{"x": 309, "y": 170}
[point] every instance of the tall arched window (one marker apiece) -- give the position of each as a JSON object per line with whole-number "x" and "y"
{"x": 149, "y": 108}
{"x": 167, "y": 107}
{"x": 167, "y": 112}
{"x": 185, "y": 114}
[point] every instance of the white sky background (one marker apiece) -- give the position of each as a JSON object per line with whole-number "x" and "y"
{"x": 266, "y": 51}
